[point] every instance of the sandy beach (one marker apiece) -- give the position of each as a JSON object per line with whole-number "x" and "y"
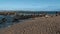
{"x": 38, "y": 25}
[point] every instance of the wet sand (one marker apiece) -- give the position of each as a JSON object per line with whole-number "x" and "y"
{"x": 38, "y": 25}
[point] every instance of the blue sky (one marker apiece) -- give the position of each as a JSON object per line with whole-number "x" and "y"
{"x": 36, "y": 5}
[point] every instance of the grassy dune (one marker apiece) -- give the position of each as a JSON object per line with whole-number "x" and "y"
{"x": 39, "y": 25}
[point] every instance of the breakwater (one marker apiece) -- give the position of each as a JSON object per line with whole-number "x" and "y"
{"x": 9, "y": 18}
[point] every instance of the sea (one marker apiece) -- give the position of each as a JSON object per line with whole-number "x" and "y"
{"x": 8, "y": 22}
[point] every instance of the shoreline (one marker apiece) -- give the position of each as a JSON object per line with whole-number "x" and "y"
{"x": 50, "y": 25}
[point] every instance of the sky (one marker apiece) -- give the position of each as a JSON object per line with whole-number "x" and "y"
{"x": 33, "y": 5}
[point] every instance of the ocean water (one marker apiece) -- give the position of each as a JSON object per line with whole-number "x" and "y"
{"x": 8, "y": 21}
